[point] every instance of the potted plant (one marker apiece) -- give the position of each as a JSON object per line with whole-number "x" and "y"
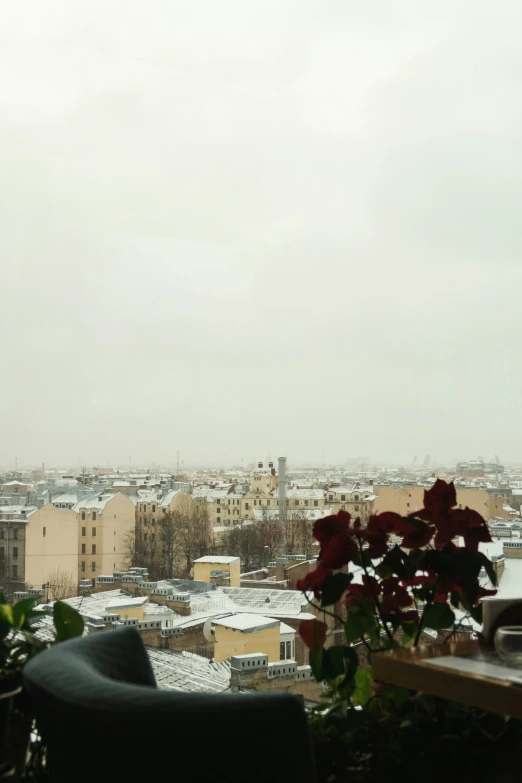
{"x": 365, "y": 731}
{"x": 18, "y": 644}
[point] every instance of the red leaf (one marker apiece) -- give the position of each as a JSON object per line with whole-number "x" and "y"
{"x": 313, "y": 634}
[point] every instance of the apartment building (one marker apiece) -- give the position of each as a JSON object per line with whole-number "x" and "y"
{"x": 104, "y": 523}
{"x": 408, "y": 499}
{"x": 356, "y": 499}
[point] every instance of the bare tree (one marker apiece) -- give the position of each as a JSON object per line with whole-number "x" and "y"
{"x": 299, "y": 533}
{"x": 61, "y": 584}
{"x": 245, "y": 543}
{"x": 193, "y": 537}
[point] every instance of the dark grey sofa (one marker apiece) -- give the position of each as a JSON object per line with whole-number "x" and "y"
{"x": 103, "y": 718}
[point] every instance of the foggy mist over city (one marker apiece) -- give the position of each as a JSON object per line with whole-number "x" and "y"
{"x": 237, "y": 229}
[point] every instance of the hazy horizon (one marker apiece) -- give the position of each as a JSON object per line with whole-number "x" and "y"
{"x": 233, "y": 229}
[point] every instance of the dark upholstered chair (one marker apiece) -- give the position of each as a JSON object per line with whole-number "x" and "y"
{"x": 103, "y": 718}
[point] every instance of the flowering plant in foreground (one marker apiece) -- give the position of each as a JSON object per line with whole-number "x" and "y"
{"x": 366, "y": 733}
{"x": 407, "y": 587}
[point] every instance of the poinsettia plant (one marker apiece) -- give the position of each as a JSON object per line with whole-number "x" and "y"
{"x": 414, "y": 572}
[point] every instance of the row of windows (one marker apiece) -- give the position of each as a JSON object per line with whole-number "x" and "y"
{"x": 286, "y": 651}
{"x": 143, "y": 507}
{"x": 355, "y": 508}
{"x": 14, "y": 554}
{"x": 93, "y": 566}
{"x": 14, "y": 533}
{"x": 93, "y": 549}
{"x": 146, "y": 521}
{"x": 355, "y": 498}
{"x": 84, "y": 532}
{"x": 93, "y": 516}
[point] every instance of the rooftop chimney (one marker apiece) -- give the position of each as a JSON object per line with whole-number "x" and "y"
{"x": 259, "y": 464}
{"x": 281, "y": 485}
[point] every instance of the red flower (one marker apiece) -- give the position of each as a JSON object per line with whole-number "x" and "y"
{"x": 395, "y": 596}
{"x": 411, "y": 615}
{"x": 313, "y": 634}
{"x": 440, "y": 498}
{"x": 416, "y": 534}
{"x": 471, "y": 526}
{"x": 377, "y": 531}
{"x": 370, "y": 588}
{"x": 314, "y": 580}
{"x": 338, "y": 546}
{"x": 483, "y": 593}
{"x": 446, "y": 584}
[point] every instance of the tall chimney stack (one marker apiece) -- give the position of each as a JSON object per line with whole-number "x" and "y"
{"x": 281, "y": 485}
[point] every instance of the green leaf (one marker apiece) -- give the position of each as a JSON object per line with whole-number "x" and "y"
{"x": 395, "y": 562}
{"x": 438, "y": 616}
{"x": 21, "y": 610}
{"x": 333, "y": 588}
{"x": 333, "y": 662}
{"x": 316, "y": 662}
{"x": 67, "y": 621}
{"x": 351, "y": 662}
{"x": 355, "y": 626}
{"x": 409, "y": 630}
{"x": 363, "y": 690}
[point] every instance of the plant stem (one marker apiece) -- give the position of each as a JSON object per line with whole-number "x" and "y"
{"x": 375, "y": 599}
{"x": 427, "y": 605}
{"x": 322, "y": 609}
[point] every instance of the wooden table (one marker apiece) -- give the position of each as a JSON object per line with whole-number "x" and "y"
{"x": 408, "y": 668}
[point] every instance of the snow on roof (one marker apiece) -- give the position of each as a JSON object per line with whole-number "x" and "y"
{"x": 167, "y": 499}
{"x": 246, "y": 622}
{"x": 98, "y": 502}
{"x": 187, "y": 672}
{"x": 284, "y": 628}
{"x": 220, "y": 560}
{"x": 126, "y": 602}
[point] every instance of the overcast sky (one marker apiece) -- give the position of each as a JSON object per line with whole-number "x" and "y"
{"x": 241, "y": 227}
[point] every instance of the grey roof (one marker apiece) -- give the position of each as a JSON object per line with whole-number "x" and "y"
{"x": 184, "y": 671}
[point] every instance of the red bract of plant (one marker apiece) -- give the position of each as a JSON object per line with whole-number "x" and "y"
{"x": 402, "y": 583}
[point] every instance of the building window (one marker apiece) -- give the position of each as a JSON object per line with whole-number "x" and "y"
{"x": 2, "y": 551}
{"x": 15, "y": 533}
{"x": 145, "y": 521}
{"x": 306, "y": 502}
{"x": 343, "y": 497}
{"x": 44, "y": 532}
{"x": 83, "y": 516}
{"x": 145, "y": 536}
{"x": 289, "y": 650}
{"x": 84, "y": 530}
{"x": 83, "y": 566}
{"x": 316, "y": 502}
{"x": 83, "y": 549}
{"x": 94, "y": 532}
{"x": 15, "y": 572}
{"x": 356, "y": 508}
{"x": 343, "y": 508}
{"x": 281, "y": 651}
{"x": 153, "y": 521}
{"x": 93, "y": 566}
{"x": 296, "y": 502}
{"x": 93, "y": 549}
{"x": 218, "y": 520}
{"x": 93, "y": 515}
{"x": 15, "y": 552}
{"x": 153, "y": 507}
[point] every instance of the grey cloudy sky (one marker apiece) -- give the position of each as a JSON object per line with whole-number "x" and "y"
{"x": 234, "y": 228}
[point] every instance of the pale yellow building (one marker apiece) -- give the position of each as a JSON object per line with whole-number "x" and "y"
{"x": 104, "y": 523}
{"x": 205, "y": 566}
{"x": 241, "y": 634}
{"x": 407, "y": 500}
{"x": 51, "y": 547}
